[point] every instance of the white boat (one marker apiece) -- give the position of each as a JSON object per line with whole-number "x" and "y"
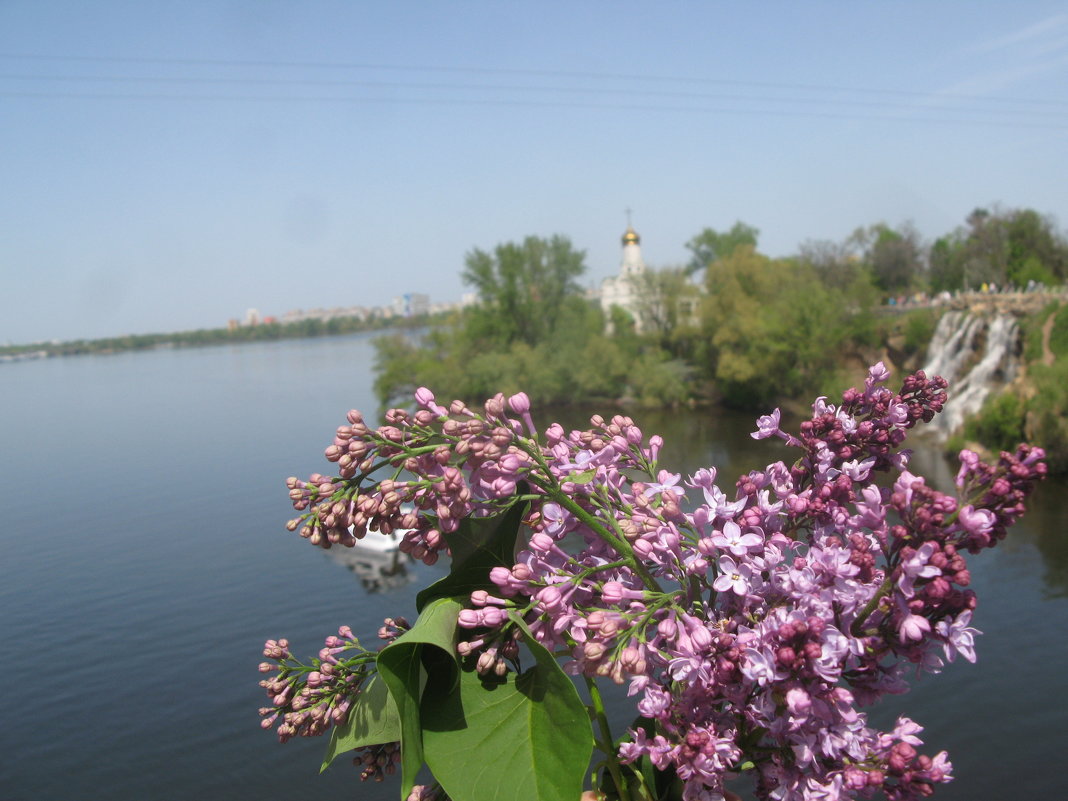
{"x": 380, "y": 543}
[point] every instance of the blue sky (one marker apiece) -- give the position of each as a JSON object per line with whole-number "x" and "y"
{"x": 166, "y": 166}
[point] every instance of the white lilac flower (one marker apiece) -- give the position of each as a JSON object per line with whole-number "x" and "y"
{"x": 857, "y": 470}
{"x": 913, "y": 628}
{"x": 666, "y": 482}
{"x": 767, "y": 426}
{"x": 732, "y": 539}
{"x": 958, "y": 637}
{"x": 733, "y": 576}
{"x": 821, "y": 407}
{"x": 554, "y": 519}
{"x": 915, "y": 567}
{"x": 976, "y": 521}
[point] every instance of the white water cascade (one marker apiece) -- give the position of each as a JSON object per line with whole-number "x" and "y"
{"x": 975, "y": 354}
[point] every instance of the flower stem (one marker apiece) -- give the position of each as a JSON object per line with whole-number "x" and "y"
{"x": 621, "y": 545}
{"x": 605, "y": 740}
{"x": 865, "y": 613}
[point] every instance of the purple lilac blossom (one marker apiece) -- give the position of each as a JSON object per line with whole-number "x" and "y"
{"x": 752, "y": 629}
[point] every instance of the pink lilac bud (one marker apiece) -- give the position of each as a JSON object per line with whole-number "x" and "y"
{"x": 593, "y": 650}
{"x": 542, "y": 542}
{"x": 495, "y": 406}
{"x": 698, "y": 632}
{"x": 666, "y": 628}
{"x": 550, "y": 598}
{"x": 486, "y": 661}
{"x": 469, "y": 619}
{"x": 519, "y": 403}
{"x": 656, "y": 442}
{"x": 493, "y": 616}
{"x": 340, "y": 713}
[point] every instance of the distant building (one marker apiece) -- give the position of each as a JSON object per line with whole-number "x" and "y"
{"x": 623, "y": 290}
{"x": 411, "y": 304}
{"x": 325, "y": 315}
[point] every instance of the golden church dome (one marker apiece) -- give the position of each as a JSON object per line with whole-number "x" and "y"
{"x": 631, "y": 237}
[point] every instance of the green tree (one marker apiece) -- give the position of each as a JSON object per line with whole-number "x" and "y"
{"x": 711, "y": 245}
{"x": 531, "y": 331}
{"x": 1036, "y": 250}
{"x": 837, "y": 264}
{"x": 776, "y": 330}
{"x": 668, "y": 304}
{"x": 894, "y": 257}
{"x": 1000, "y": 247}
{"x": 523, "y": 287}
{"x": 946, "y": 272}
{"x": 983, "y": 249}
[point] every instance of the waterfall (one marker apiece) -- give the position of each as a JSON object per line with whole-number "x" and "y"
{"x": 975, "y": 354}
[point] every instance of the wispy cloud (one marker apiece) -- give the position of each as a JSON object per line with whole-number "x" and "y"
{"x": 1036, "y": 34}
{"x": 989, "y": 83}
{"x": 1001, "y": 63}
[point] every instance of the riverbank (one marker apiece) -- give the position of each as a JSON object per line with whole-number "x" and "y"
{"x": 206, "y": 337}
{"x": 629, "y": 371}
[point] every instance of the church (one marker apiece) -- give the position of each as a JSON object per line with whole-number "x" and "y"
{"x": 624, "y": 290}
{"x": 657, "y": 300}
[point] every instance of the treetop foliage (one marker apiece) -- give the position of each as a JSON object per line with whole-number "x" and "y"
{"x": 710, "y": 244}
{"x": 775, "y": 328}
{"x": 1000, "y": 247}
{"x": 522, "y": 287}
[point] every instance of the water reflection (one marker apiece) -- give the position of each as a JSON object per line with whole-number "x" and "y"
{"x": 1047, "y": 524}
{"x": 380, "y": 567}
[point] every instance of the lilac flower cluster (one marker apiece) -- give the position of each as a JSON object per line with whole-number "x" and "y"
{"x": 307, "y": 699}
{"x": 472, "y": 464}
{"x": 377, "y": 761}
{"x": 751, "y": 626}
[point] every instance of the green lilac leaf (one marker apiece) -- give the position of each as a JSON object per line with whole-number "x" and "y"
{"x": 512, "y": 739}
{"x": 478, "y": 545}
{"x": 373, "y": 720}
{"x": 584, "y": 477}
{"x": 400, "y": 664}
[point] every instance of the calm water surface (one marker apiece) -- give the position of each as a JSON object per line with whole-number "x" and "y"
{"x": 143, "y": 562}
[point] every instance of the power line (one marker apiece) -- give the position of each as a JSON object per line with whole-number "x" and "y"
{"x": 525, "y": 103}
{"x": 371, "y": 84}
{"x": 611, "y": 76}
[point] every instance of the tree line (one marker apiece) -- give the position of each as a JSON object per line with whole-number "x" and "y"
{"x": 732, "y": 324}
{"x": 261, "y": 332}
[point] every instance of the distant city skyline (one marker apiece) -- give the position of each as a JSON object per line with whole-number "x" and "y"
{"x": 166, "y": 168}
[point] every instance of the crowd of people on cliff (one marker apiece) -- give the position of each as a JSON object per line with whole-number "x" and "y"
{"x": 925, "y": 299}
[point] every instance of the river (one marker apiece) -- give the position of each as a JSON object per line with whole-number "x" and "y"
{"x": 143, "y": 561}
